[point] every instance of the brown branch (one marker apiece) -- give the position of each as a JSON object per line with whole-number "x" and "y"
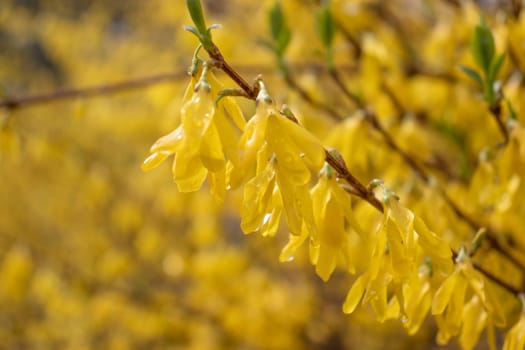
{"x": 395, "y": 101}
{"x": 496, "y": 113}
{"x": 358, "y": 50}
{"x": 304, "y": 95}
{"x": 13, "y": 103}
{"x": 339, "y": 82}
{"x": 359, "y": 189}
{"x": 216, "y": 55}
{"x": 412, "y": 163}
{"x": 516, "y": 6}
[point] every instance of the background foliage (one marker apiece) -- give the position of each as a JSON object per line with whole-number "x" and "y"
{"x": 94, "y": 253}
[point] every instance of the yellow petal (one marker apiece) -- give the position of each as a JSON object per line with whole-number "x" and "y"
{"x": 433, "y": 245}
{"x": 211, "y": 150}
{"x": 354, "y": 296}
{"x": 326, "y": 261}
{"x": 169, "y": 142}
{"x": 229, "y": 136}
{"x": 196, "y": 116}
{"x": 233, "y": 111}
{"x": 217, "y": 181}
{"x": 154, "y": 160}
{"x": 444, "y": 293}
{"x": 304, "y": 140}
{"x": 270, "y": 223}
{"x": 256, "y": 201}
{"x": 250, "y": 144}
{"x": 474, "y": 320}
{"x": 297, "y": 205}
{"x": 294, "y": 242}
{"x": 455, "y": 307}
{"x": 188, "y": 171}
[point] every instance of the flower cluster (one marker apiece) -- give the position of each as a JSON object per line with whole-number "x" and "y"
{"x": 204, "y": 139}
{"x": 405, "y": 271}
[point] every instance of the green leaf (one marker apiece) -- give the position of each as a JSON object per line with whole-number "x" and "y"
{"x": 482, "y": 46}
{"x": 195, "y": 10}
{"x": 473, "y": 74}
{"x": 283, "y": 41}
{"x": 495, "y": 67}
{"x": 276, "y": 20}
{"x": 326, "y": 26}
{"x": 280, "y": 31}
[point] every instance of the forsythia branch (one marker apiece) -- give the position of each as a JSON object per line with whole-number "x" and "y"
{"x": 343, "y": 172}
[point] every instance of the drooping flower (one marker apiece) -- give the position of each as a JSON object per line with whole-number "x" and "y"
{"x": 448, "y": 305}
{"x": 332, "y": 212}
{"x": 276, "y": 157}
{"x": 393, "y": 283}
{"x": 204, "y": 141}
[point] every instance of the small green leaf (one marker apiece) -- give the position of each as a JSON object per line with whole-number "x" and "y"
{"x": 495, "y": 67}
{"x": 276, "y": 20}
{"x": 280, "y": 31}
{"x": 326, "y": 26}
{"x": 283, "y": 41}
{"x": 482, "y": 46}
{"x": 472, "y": 74}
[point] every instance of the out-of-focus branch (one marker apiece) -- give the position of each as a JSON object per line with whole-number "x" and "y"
{"x": 140, "y": 82}
{"x": 106, "y": 89}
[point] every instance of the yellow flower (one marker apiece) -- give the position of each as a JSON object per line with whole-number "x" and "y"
{"x": 515, "y": 338}
{"x": 261, "y": 207}
{"x": 448, "y": 304}
{"x": 270, "y": 192}
{"x": 370, "y": 289}
{"x": 205, "y": 140}
{"x": 281, "y": 153}
{"x": 417, "y": 300}
{"x": 295, "y": 148}
{"x": 400, "y": 244}
{"x": 371, "y": 286}
{"x": 332, "y": 211}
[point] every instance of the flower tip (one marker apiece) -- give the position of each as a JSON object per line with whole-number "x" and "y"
{"x": 153, "y": 161}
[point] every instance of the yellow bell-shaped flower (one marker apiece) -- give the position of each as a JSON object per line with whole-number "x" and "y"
{"x": 205, "y": 140}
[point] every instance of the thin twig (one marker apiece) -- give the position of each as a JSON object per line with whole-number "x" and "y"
{"x": 358, "y": 50}
{"x": 304, "y": 95}
{"x": 13, "y": 103}
{"x": 496, "y": 113}
{"x": 359, "y": 188}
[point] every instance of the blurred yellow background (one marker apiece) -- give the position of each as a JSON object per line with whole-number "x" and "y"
{"x": 96, "y": 254}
